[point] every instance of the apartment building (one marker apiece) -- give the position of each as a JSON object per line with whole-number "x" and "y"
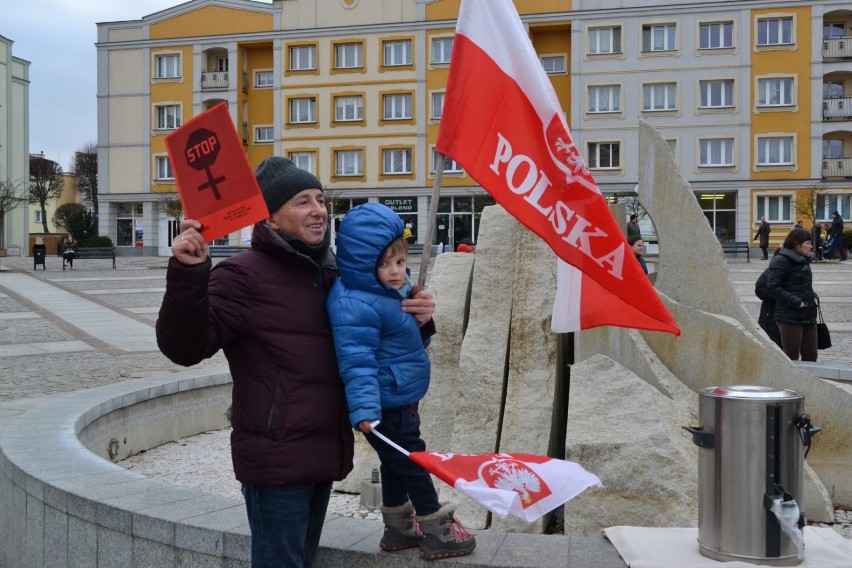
{"x": 14, "y": 144}
{"x": 753, "y": 98}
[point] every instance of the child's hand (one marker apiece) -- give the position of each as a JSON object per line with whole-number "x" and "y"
{"x": 421, "y": 304}
{"x": 364, "y": 426}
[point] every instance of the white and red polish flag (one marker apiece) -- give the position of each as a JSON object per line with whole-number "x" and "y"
{"x": 502, "y": 122}
{"x": 522, "y": 485}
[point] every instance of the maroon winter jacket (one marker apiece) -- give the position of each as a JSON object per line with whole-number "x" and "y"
{"x": 266, "y": 310}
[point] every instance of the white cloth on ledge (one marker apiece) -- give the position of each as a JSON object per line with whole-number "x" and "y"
{"x": 652, "y": 547}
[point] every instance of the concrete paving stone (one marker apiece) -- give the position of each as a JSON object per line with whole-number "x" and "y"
{"x": 18, "y": 316}
{"x": 147, "y": 554}
{"x": 115, "y": 549}
{"x": 82, "y": 543}
{"x": 56, "y": 537}
{"x": 237, "y": 545}
{"x": 27, "y": 349}
{"x": 113, "y": 291}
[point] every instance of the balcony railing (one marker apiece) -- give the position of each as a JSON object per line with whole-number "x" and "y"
{"x": 837, "y": 47}
{"x": 837, "y": 109}
{"x": 837, "y": 167}
{"x": 214, "y": 79}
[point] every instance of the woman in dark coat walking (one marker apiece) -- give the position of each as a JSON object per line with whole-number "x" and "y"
{"x": 763, "y": 234}
{"x": 789, "y": 282}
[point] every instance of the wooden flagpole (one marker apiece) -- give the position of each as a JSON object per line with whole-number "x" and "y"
{"x": 430, "y": 226}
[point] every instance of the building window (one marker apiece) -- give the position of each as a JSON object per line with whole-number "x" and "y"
{"x": 660, "y": 96}
{"x": 396, "y": 161}
{"x": 716, "y": 93}
{"x": 450, "y": 165}
{"x": 604, "y": 155}
{"x": 672, "y": 144}
{"x": 397, "y": 52}
{"x": 349, "y": 163}
{"x": 167, "y": 66}
{"x": 605, "y": 98}
{"x": 164, "y": 168}
{"x": 263, "y": 79}
{"x": 397, "y": 107}
{"x": 826, "y": 204}
{"x": 264, "y": 134}
{"x": 348, "y": 108}
{"x": 774, "y": 31}
{"x": 776, "y": 208}
{"x": 304, "y": 161}
{"x": 659, "y": 37}
{"x": 832, "y": 148}
{"x": 775, "y": 151}
{"x": 167, "y": 117}
{"x": 832, "y": 90}
{"x": 303, "y": 110}
{"x": 833, "y": 29}
{"x": 38, "y": 217}
{"x": 442, "y": 48}
{"x": 716, "y": 152}
{"x": 553, "y": 64}
{"x": 437, "y": 105}
{"x": 716, "y": 35}
{"x": 348, "y": 56}
{"x": 603, "y": 41}
{"x": 775, "y": 92}
{"x": 303, "y": 57}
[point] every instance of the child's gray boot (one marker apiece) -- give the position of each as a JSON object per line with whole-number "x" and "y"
{"x": 401, "y": 529}
{"x": 444, "y": 536}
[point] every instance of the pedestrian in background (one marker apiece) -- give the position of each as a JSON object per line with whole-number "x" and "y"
{"x": 637, "y": 245}
{"x": 633, "y": 229}
{"x": 762, "y": 233}
{"x": 790, "y": 283}
{"x": 836, "y": 232}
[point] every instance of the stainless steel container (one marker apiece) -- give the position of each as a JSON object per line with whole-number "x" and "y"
{"x": 752, "y": 441}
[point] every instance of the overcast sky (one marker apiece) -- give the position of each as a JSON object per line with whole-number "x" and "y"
{"x": 58, "y": 38}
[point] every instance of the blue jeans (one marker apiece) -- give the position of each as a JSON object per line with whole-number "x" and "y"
{"x": 286, "y": 523}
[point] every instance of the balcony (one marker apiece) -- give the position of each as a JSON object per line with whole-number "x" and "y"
{"x": 837, "y": 48}
{"x": 837, "y": 108}
{"x": 837, "y": 167}
{"x": 214, "y": 80}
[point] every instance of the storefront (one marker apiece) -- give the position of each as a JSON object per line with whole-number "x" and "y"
{"x": 406, "y": 208}
{"x": 130, "y": 230}
{"x": 720, "y": 209}
{"x": 458, "y": 218}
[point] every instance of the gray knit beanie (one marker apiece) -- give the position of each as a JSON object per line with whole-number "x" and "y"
{"x": 280, "y": 180}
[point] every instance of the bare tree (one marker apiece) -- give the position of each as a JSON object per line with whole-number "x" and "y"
{"x": 11, "y": 197}
{"x": 86, "y": 174}
{"x": 45, "y": 183}
{"x": 806, "y": 204}
{"x": 172, "y": 207}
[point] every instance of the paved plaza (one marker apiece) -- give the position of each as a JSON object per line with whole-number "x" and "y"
{"x": 64, "y": 331}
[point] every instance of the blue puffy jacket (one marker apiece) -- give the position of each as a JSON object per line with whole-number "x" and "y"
{"x": 380, "y": 351}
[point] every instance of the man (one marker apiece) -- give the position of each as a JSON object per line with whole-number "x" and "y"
{"x": 265, "y": 309}
{"x": 763, "y": 234}
{"x": 836, "y": 233}
{"x": 633, "y": 229}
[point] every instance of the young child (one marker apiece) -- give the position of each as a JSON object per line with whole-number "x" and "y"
{"x": 383, "y": 362}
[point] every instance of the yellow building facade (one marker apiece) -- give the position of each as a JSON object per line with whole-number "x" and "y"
{"x": 352, "y": 90}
